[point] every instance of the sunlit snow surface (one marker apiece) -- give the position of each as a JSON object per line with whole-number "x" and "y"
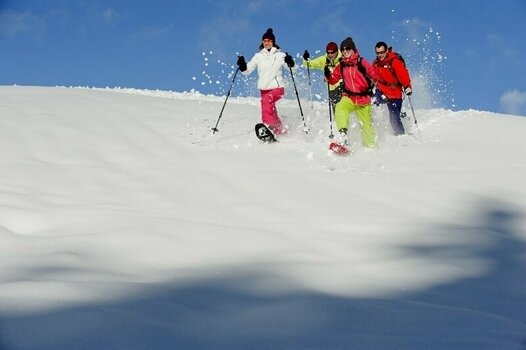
{"x": 125, "y": 224}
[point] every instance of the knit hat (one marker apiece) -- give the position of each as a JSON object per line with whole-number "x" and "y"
{"x": 348, "y": 42}
{"x": 331, "y": 47}
{"x": 269, "y": 35}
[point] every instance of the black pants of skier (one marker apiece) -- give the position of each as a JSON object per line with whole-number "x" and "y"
{"x": 394, "y": 106}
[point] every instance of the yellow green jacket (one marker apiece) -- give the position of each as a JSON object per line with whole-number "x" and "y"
{"x": 321, "y": 61}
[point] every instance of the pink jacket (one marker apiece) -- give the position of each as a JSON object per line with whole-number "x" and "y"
{"x": 353, "y": 79}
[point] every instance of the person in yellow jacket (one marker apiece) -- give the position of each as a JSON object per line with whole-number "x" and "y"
{"x": 330, "y": 60}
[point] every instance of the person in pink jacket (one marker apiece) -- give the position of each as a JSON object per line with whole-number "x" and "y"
{"x": 357, "y": 75}
{"x": 269, "y": 62}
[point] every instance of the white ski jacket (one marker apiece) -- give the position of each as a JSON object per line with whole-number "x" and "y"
{"x": 269, "y": 64}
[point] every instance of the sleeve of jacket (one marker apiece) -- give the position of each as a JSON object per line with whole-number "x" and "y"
{"x": 336, "y": 75}
{"x": 369, "y": 69}
{"x": 316, "y": 63}
{"x": 251, "y": 65}
{"x": 401, "y": 73}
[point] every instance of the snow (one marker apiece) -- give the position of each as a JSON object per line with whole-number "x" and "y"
{"x": 125, "y": 224}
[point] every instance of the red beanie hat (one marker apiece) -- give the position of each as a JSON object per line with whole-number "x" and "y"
{"x": 331, "y": 47}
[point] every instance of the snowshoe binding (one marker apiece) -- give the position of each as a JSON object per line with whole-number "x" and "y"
{"x": 340, "y": 146}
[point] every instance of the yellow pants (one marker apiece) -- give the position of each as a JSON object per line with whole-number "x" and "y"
{"x": 364, "y": 113}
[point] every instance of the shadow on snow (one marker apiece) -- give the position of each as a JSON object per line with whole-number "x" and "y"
{"x": 485, "y": 312}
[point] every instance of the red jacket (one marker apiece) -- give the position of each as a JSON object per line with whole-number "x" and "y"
{"x": 353, "y": 79}
{"x": 392, "y": 76}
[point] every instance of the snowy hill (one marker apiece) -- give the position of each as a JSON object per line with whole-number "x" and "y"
{"x": 124, "y": 224}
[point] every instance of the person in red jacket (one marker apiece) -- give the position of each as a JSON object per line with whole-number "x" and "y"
{"x": 393, "y": 81}
{"x": 357, "y": 75}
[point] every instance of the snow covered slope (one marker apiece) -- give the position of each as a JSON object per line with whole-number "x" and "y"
{"x": 125, "y": 224}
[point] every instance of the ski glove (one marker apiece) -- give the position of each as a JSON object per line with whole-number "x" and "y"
{"x": 408, "y": 91}
{"x": 241, "y": 63}
{"x": 289, "y": 61}
{"x": 306, "y": 55}
{"x": 327, "y": 72}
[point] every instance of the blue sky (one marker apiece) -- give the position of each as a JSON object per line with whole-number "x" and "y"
{"x": 469, "y": 54}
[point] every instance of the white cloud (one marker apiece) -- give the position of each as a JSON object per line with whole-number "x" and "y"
{"x": 514, "y": 102}
{"x": 15, "y": 23}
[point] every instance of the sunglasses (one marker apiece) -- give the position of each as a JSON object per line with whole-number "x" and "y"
{"x": 346, "y": 49}
{"x": 331, "y": 52}
{"x": 378, "y": 53}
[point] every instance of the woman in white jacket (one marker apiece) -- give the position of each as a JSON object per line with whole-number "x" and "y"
{"x": 269, "y": 61}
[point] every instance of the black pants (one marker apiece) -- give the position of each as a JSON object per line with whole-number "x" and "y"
{"x": 394, "y": 106}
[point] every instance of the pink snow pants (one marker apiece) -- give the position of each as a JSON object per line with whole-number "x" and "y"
{"x": 269, "y": 113}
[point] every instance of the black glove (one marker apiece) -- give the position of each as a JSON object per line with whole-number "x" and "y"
{"x": 327, "y": 72}
{"x": 306, "y": 55}
{"x": 408, "y": 91}
{"x": 241, "y": 63}
{"x": 289, "y": 61}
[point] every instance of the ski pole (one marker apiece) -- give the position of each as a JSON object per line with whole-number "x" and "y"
{"x": 306, "y": 57}
{"x": 298, "y": 97}
{"x": 330, "y": 110}
{"x": 414, "y": 116}
{"x": 224, "y": 104}
{"x": 310, "y": 85}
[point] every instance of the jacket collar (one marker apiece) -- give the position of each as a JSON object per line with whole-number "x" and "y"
{"x": 390, "y": 55}
{"x": 351, "y": 60}
{"x": 267, "y": 52}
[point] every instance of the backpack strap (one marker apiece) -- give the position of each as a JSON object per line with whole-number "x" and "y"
{"x": 390, "y": 66}
{"x": 363, "y": 71}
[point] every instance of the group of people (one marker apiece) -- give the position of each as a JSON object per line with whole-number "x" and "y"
{"x": 353, "y": 84}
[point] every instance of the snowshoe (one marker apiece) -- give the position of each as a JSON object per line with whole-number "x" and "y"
{"x": 339, "y": 149}
{"x": 264, "y": 134}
